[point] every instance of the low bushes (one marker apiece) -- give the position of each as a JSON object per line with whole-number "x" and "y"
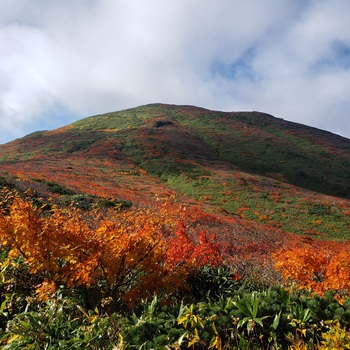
{"x": 272, "y": 318}
{"x": 144, "y": 279}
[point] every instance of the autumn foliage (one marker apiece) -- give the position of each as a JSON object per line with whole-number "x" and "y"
{"x": 317, "y": 266}
{"x": 130, "y": 254}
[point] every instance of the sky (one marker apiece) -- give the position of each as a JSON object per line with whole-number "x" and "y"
{"x": 63, "y": 60}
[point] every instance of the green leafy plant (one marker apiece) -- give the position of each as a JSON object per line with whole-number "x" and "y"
{"x": 60, "y": 323}
{"x": 212, "y": 282}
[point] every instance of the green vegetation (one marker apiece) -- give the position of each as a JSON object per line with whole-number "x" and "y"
{"x": 4, "y": 182}
{"x": 235, "y": 316}
{"x": 110, "y": 121}
{"x": 57, "y": 188}
{"x": 289, "y": 210}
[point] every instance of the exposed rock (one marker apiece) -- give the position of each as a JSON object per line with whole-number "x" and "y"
{"x": 161, "y": 123}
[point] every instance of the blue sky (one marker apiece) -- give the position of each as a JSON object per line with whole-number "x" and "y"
{"x": 62, "y": 60}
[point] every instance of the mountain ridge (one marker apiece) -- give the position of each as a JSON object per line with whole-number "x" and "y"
{"x": 246, "y": 165}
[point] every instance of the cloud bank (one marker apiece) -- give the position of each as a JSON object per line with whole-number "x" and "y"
{"x": 63, "y": 60}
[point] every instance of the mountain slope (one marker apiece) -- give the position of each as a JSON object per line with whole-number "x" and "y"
{"x": 248, "y": 166}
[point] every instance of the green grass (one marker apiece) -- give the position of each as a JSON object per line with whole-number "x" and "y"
{"x": 292, "y": 213}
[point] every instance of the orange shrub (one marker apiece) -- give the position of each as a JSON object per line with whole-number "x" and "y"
{"x": 317, "y": 266}
{"x": 135, "y": 253}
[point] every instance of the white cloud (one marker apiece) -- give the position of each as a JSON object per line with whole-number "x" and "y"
{"x": 289, "y": 58}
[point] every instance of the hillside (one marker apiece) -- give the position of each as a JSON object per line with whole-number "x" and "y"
{"x": 255, "y": 172}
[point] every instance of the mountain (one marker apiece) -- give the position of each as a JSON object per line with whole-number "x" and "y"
{"x": 256, "y": 174}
